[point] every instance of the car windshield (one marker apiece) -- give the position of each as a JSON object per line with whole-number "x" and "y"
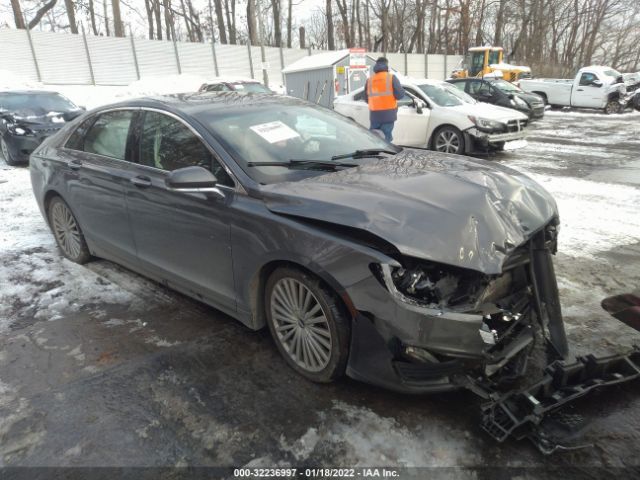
{"x": 505, "y": 86}
{"x": 250, "y": 87}
{"x": 612, "y": 73}
{"x": 35, "y": 103}
{"x": 270, "y": 133}
{"x": 441, "y": 95}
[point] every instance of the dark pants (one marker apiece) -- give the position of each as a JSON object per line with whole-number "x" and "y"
{"x": 385, "y": 128}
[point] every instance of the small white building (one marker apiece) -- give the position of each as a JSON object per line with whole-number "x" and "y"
{"x": 322, "y": 77}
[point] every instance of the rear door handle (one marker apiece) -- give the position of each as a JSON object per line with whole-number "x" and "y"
{"x": 141, "y": 181}
{"x": 580, "y": 90}
{"x": 75, "y": 164}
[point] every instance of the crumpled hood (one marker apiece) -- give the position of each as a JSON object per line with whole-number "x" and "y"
{"x": 39, "y": 117}
{"x": 489, "y": 111}
{"x": 445, "y": 208}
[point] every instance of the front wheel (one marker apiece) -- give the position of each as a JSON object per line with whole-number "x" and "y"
{"x": 308, "y": 324}
{"x": 612, "y": 106}
{"x": 67, "y": 232}
{"x": 449, "y": 140}
{"x": 6, "y": 153}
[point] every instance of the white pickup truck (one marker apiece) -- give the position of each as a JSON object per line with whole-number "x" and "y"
{"x": 593, "y": 87}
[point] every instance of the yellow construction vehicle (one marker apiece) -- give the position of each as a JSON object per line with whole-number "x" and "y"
{"x": 488, "y": 61}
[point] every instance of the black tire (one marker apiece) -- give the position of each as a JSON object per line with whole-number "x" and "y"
{"x": 63, "y": 223}
{"x": 338, "y": 325}
{"x": 6, "y": 153}
{"x": 612, "y": 106}
{"x": 443, "y": 139}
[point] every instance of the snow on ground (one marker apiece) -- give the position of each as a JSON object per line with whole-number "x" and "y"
{"x": 35, "y": 278}
{"x": 595, "y": 217}
{"x": 367, "y": 439}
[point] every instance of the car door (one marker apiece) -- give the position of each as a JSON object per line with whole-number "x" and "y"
{"x": 356, "y": 108}
{"x": 98, "y": 156}
{"x": 411, "y": 128}
{"x": 586, "y": 94}
{"x": 183, "y": 238}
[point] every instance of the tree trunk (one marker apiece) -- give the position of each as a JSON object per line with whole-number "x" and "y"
{"x": 329, "y": 13}
{"x": 289, "y": 23}
{"x": 497, "y": 36}
{"x": 39, "y": 14}
{"x": 168, "y": 19}
{"x": 92, "y": 17}
{"x": 118, "y": 29}
{"x": 302, "y": 39}
{"x": 71, "y": 15}
{"x": 251, "y": 22}
{"x": 149, "y": 9}
{"x": 277, "y": 22}
{"x": 17, "y": 14}
{"x": 156, "y": 11}
{"x": 231, "y": 20}
{"x": 220, "y": 20}
{"x": 106, "y": 16}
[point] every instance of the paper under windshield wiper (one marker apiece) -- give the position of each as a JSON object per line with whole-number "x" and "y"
{"x": 310, "y": 164}
{"x": 369, "y": 152}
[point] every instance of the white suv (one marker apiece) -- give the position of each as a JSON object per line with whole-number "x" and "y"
{"x": 439, "y": 116}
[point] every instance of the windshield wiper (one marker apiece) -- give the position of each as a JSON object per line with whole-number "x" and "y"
{"x": 309, "y": 164}
{"x": 369, "y": 152}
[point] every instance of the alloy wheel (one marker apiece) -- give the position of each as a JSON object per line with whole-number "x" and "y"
{"x": 448, "y": 142}
{"x": 66, "y": 230}
{"x": 301, "y": 325}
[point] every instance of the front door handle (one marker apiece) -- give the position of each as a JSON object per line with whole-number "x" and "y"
{"x": 580, "y": 90}
{"x": 75, "y": 164}
{"x": 141, "y": 181}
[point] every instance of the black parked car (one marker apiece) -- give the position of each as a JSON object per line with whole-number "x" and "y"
{"x": 404, "y": 268}
{"x": 28, "y": 117}
{"x": 502, "y": 93}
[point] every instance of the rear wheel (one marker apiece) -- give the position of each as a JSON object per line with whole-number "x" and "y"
{"x": 308, "y": 324}
{"x": 6, "y": 153}
{"x": 448, "y": 140}
{"x": 67, "y": 232}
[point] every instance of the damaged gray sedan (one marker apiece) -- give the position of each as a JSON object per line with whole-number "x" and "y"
{"x": 402, "y": 268}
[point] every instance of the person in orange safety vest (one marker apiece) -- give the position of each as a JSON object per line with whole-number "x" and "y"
{"x": 382, "y": 92}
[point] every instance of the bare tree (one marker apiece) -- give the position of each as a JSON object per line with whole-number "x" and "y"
{"x": 118, "y": 27}
{"x": 252, "y": 26}
{"x": 330, "y": 35}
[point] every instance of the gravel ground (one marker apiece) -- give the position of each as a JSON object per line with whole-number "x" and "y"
{"x": 100, "y": 367}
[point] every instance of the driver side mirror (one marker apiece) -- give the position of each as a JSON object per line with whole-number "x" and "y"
{"x": 596, "y": 83}
{"x": 192, "y": 180}
{"x": 420, "y": 105}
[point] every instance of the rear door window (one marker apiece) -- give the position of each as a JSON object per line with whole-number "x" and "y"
{"x": 108, "y": 135}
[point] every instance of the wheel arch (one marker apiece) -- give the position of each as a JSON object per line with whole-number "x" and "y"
{"x": 437, "y": 129}
{"x": 258, "y": 285}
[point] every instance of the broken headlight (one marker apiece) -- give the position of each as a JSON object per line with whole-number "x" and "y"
{"x": 20, "y": 131}
{"x": 431, "y": 284}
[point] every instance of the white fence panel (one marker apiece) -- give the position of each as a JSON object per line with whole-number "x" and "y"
{"x": 233, "y": 60}
{"x": 112, "y": 60}
{"x": 292, "y": 55}
{"x": 156, "y": 57}
{"x": 16, "y": 54}
{"x": 415, "y": 63}
{"x": 396, "y": 61}
{"x": 196, "y": 58}
{"x": 62, "y": 58}
{"x": 436, "y": 67}
{"x": 272, "y": 54}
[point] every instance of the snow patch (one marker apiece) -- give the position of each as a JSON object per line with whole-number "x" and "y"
{"x": 362, "y": 438}
{"x": 595, "y": 217}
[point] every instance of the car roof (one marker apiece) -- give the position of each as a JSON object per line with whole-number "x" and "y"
{"x": 231, "y": 80}
{"x": 29, "y": 92}
{"x": 194, "y": 103}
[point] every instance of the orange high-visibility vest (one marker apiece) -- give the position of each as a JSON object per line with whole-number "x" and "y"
{"x": 380, "y": 92}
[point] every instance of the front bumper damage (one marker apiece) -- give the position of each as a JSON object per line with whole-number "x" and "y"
{"x": 514, "y": 358}
{"x": 480, "y": 141}
{"x": 534, "y": 413}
